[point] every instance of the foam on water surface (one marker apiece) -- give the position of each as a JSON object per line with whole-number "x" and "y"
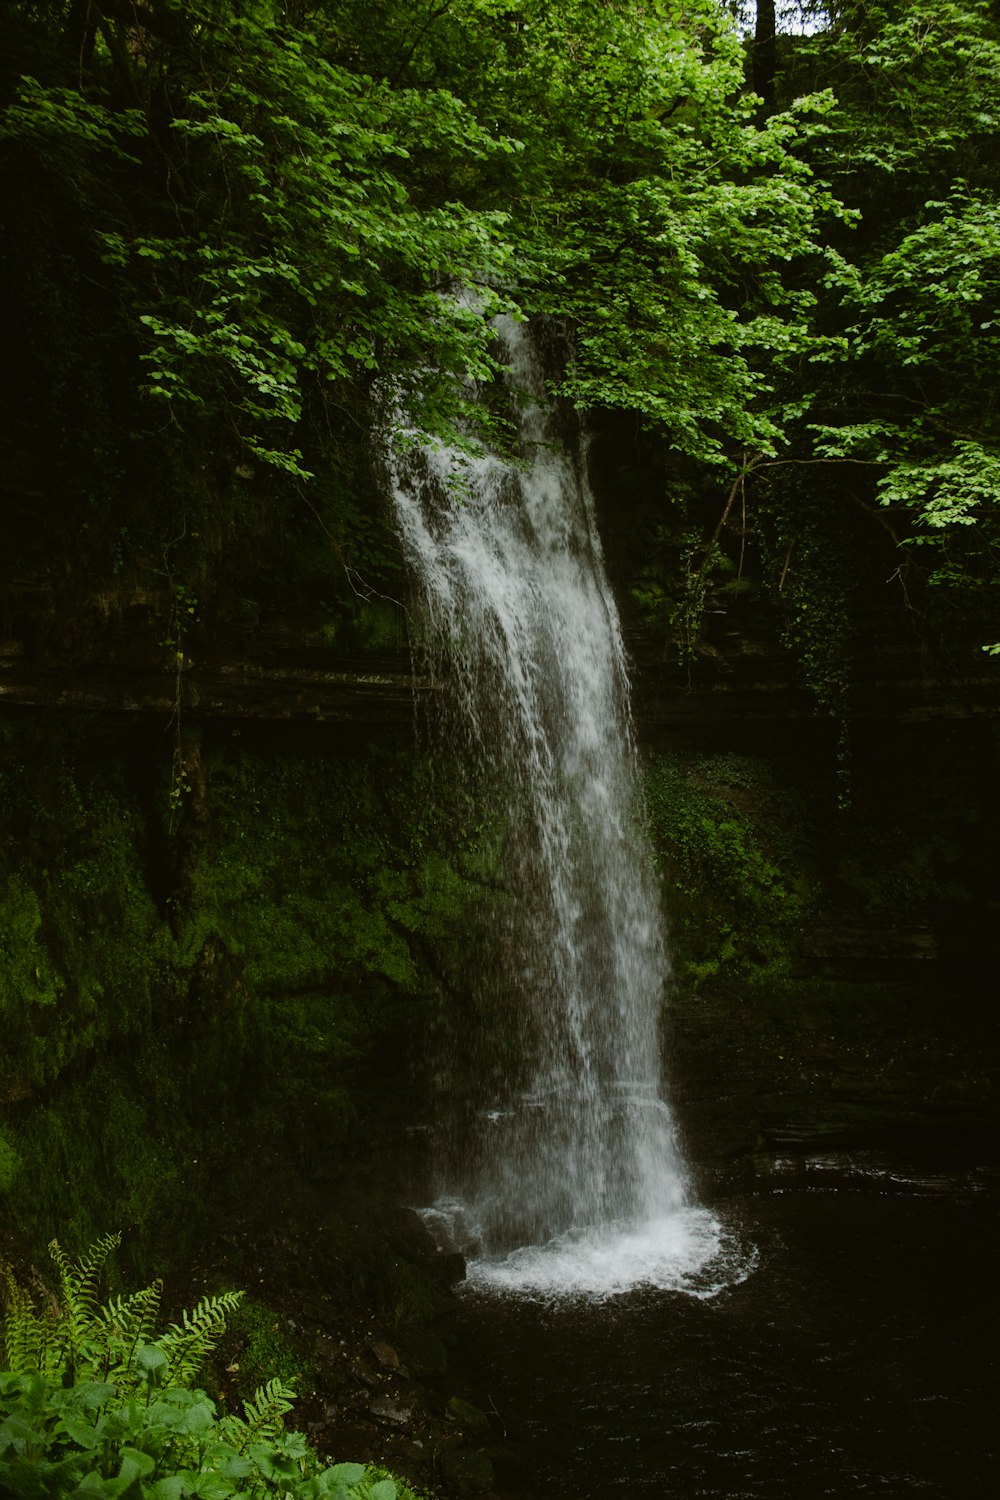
{"x": 690, "y": 1252}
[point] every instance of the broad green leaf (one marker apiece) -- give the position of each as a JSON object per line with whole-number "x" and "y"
{"x": 152, "y": 1364}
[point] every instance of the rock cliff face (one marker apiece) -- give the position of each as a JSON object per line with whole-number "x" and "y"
{"x": 108, "y": 658}
{"x": 879, "y": 1019}
{"x": 238, "y": 907}
{"x": 317, "y": 686}
{"x": 184, "y": 826}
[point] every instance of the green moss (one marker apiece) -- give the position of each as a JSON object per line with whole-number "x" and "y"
{"x": 166, "y": 996}
{"x": 736, "y": 886}
{"x": 118, "y": 1146}
{"x": 256, "y": 1348}
{"x": 27, "y": 980}
{"x": 400, "y": 1291}
{"x": 317, "y": 872}
{"x": 10, "y": 1163}
{"x": 81, "y": 942}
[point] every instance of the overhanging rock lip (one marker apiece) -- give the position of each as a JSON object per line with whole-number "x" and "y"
{"x": 222, "y": 688}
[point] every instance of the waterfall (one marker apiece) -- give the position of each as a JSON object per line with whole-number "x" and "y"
{"x": 564, "y": 1170}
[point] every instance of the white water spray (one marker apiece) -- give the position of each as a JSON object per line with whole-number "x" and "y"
{"x": 566, "y": 1176}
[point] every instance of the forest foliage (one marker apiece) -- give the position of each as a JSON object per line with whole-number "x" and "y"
{"x": 230, "y": 223}
{"x": 904, "y": 416}
{"x": 98, "y": 1403}
{"x": 279, "y": 199}
{"x": 228, "y": 228}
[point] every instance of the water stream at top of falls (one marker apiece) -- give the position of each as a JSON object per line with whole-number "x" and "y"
{"x": 564, "y": 1174}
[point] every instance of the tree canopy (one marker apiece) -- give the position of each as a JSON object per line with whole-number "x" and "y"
{"x": 229, "y": 222}
{"x": 904, "y": 400}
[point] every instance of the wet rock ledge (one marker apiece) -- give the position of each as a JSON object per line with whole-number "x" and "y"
{"x": 315, "y": 685}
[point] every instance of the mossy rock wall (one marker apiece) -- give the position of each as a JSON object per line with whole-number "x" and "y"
{"x": 780, "y": 854}
{"x": 833, "y": 931}
{"x": 270, "y": 948}
{"x": 256, "y": 957}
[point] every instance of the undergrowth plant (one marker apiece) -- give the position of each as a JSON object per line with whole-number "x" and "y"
{"x": 95, "y": 1404}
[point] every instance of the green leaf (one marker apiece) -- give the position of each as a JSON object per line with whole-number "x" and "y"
{"x": 209, "y": 1486}
{"x": 338, "y": 1482}
{"x": 385, "y": 1489}
{"x": 84, "y": 1434}
{"x": 171, "y": 1487}
{"x": 151, "y": 1362}
{"x": 136, "y": 1462}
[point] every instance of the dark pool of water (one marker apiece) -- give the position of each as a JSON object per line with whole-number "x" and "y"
{"x": 858, "y": 1359}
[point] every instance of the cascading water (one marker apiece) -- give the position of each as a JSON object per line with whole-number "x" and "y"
{"x": 568, "y": 1176}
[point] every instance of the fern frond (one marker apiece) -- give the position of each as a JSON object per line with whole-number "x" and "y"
{"x": 129, "y": 1322}
{"x": 262, "y": 1415}
{"x": 78, "y": 1285}
{"x": 24, "y": 1333}
{"x": 90, "y": 1266}
{"x": 187, "y": 1343}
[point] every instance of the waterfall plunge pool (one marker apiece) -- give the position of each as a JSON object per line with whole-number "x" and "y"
{"x": 690, "y": 1251}
{"x": 858, "y": 1358}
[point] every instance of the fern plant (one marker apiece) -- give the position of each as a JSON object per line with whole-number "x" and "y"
{"x": 86, "y": 1340}
{"x": 96, "y": 1405}
{"x": 263, "y": 1416}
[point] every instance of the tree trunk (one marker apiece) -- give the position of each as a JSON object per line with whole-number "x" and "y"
{"x": 764, "y": 58}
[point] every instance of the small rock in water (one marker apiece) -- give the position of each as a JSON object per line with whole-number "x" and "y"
{"x": 363, "y": 1375}
{"x": 469, "y": 1471}
{"x": 425, "y": 1353}
{"x": 385, "y": 1354}
{"x": 384, "y": 1409}
{"x": 450, "y": 1269}
{"x": 468, "y": 1417}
